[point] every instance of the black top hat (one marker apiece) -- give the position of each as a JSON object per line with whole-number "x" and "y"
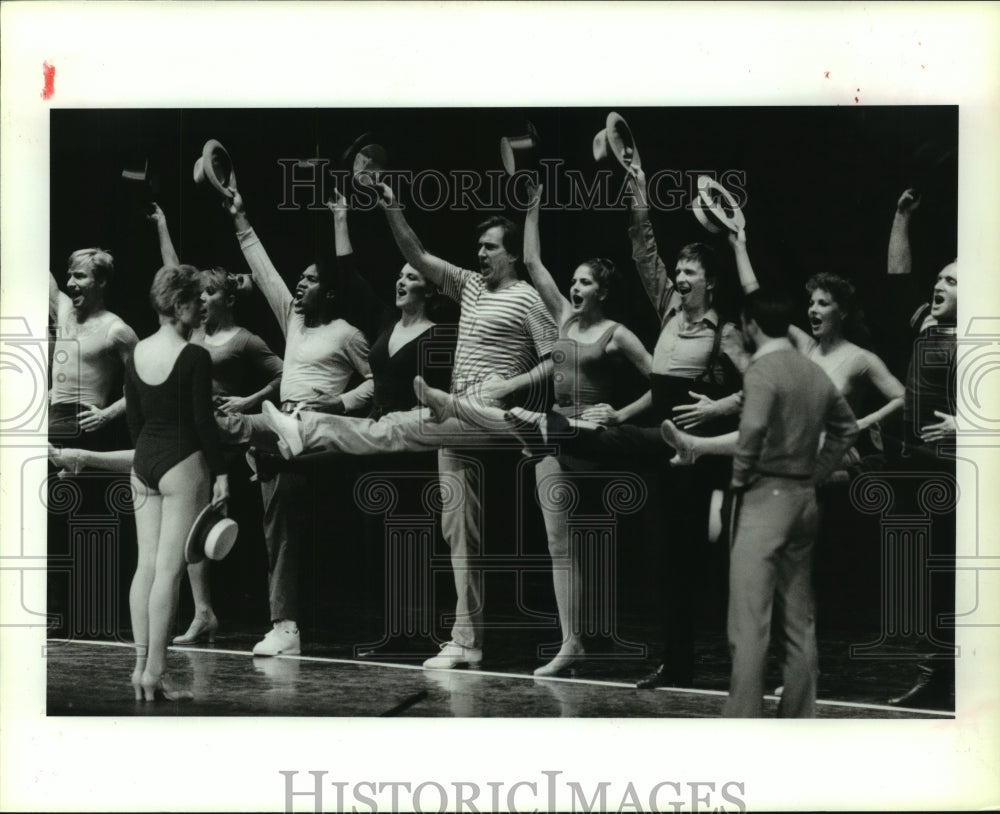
{"x": 716, "y": 208}
{"x": 520, "y": 152}
{"x": 140, "y": 184}
{"x": 612, "y": 141}
{"x": 212, "y": 535}
{"x": 365, "y": 159}
{"x": 216, "y": 167}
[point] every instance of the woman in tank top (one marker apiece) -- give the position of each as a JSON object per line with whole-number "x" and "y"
{"x": 858, "y": 373}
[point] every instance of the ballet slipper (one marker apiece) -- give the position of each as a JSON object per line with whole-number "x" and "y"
{"x": 202, "y": 627}
{"x": 569, "y": 654}
{"x": 682, "y": 442}
{"x": 441, "y": 404}
{"x": 160, "y": 689}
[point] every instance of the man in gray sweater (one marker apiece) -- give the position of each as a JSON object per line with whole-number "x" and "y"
{"x": 794, "y": 429}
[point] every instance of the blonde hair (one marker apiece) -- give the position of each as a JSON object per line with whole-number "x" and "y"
{"x": 174, "y": 286}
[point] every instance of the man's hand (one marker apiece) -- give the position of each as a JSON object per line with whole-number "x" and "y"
{"x": 703, "y": 409}
{"x": 534, "y": 192}
{"x": 236, "y": 404}
{"x": 494, "y": 390}
{"x": 386, "y": 198}
{"x": 157, "y": 217}
{"x": 942, "y": 431}
{"x": 234, "y": 204}
{"x": 603, "y": 414}
{"x": 93, "y": 418}
{"x": 908, "y": 202}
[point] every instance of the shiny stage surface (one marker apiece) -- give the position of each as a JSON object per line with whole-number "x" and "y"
{"x": 89, "y": 678}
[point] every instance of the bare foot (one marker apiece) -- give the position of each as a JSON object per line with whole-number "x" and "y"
{"x": 441, "y": 404}
{"x": 682, "y": 442}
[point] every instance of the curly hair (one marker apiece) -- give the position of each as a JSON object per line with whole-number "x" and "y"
{"x": 174, "y": 286}
{"x": 842, "y": 291}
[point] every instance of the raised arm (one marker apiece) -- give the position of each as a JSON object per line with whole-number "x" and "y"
{"x": 555, "y": 302}
{"x": 434, "y": 269}
{"x": 167, "y": 253}
{"x": 645, "y": 252}
{"x": 748, "y": 280}
{"x": 900, "y": 259}
{"x": 265, "y": 275}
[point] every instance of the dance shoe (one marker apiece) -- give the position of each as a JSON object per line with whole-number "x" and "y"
{"x": 286, "y": 428}
{"x": 159, "y": 689}
{"x": 562, "y": 662}
{"x": 281, "y": 640}
{"x": 454, "y": 655}
{"x": 199, "y": 629}
{"x": 662, "y": 676}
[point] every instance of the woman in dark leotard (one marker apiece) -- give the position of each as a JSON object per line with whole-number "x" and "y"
{"x": 178, "y": 465}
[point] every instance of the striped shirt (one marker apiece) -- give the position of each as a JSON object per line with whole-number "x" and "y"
{"x": 500, "y": 333}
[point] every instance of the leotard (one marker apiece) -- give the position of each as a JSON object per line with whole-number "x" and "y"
{"x": 171, "y": 420}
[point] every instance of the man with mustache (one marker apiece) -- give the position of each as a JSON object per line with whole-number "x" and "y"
{"x": 323, "y": 352}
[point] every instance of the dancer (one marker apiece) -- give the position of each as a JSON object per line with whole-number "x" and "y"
{"x": 400, "y": 353}
{"x": 245, "y": 373}
{"x": 586, "y": 353}
{"x": 323, "y": 352}
{"x": 505, "y": 338}
{"x": 929, "y": 429}
{"x": 178, "y": 464}
{"x": 790, "y": 404}
{"x": 695, "y": 352}
{"x": 90, "y": 352}
{"x": 855, "y": 371}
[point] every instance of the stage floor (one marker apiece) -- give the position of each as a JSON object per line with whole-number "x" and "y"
{"x": 91, "y": 678}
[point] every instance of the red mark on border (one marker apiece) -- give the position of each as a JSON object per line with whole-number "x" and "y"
{"x": 826, "y": 74}
{"x": 49, "y": 72}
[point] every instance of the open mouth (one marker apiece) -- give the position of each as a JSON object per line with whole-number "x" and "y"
{"x": 683, "y": 290}
{"x": 815, "y": 322}
{"x": 938, "y": 299}
{"x": 576, "y": 300}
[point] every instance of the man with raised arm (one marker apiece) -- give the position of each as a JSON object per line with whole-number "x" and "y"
{"x": 928, "y": 429}
{"x": 90, "y": 350}
{"x": 323, "y": 352}
{"x": 693, "y": 341}
{"x": 505, "y": 336}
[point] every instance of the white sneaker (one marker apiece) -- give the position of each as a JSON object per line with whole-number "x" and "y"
{"x": 453, "y": 655}
{"x": 286, "y": 428}
{"x": 282, "y": 640}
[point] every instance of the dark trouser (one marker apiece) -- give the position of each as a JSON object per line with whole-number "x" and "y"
{"x": 680, "y": 549}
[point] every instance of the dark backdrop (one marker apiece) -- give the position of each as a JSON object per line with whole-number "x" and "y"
{"x": 820, "y": 186}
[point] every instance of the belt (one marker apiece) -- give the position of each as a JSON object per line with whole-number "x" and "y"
{"x": 290, "y": 407}
{"x": 782, "y": 475}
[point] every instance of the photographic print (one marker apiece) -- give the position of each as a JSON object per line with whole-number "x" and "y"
{"x": 501, "y": 407}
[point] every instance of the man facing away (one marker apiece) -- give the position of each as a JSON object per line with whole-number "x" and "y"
{"x": 794, "y": 429}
